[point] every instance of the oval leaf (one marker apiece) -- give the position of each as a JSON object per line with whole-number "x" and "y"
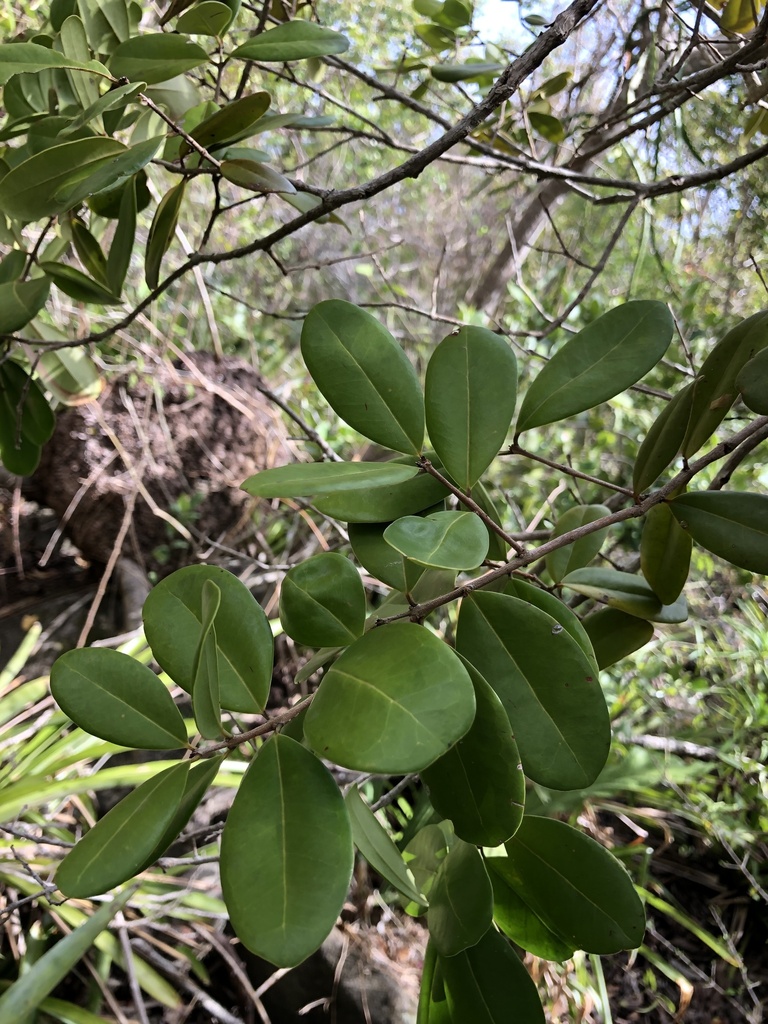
{"x": 27, "y": 400}
{"x": 663, "y": 441}
{"x": 364, "y": 375}
{"x": 322, "y": 602}
{"x": 552, "y": 606}
{"x": 295, "y": 40}
{"x": 479, "y": 783}
{"x": 112, "y": 696}
{"x": 733, "y": 525}
{"x": 380, "y": 559}
{"x": 375, "y": 844}
{"x": 519, "y": 923}
{"x": 442, "y": 540}
{"x": 286, "y": 854}
{"x": 665, "y": 553}
{"x": 627, "y": 592}
{"x": 255, "y": 176}
{"x": 231, "y": 123}
{"x": 546, "y": 683}
{"x": 752, "y": 382}
{"x": 615, "y": 635}
{"x": 118, "y": 845}
{"x": 20, "y": 301}
{"x": 383, "y": 502}
{"x": 394, "y": 701}
{"x": 173, "y": 617}
{"x": 601, "y": 361}
{"x": 581, "y": 552}
{"x": 575, "y": 886}
{"x": 155, "y": 57}
{"x": 460, "y": 901}
{"x": 205, "y": 673}
{"x": 208, "y": 18}
{"x": 328, "y": 478}
{"x": 162, "y": 231}
{"x": 470, "y": 392}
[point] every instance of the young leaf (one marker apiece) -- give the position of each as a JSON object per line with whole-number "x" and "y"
{"x": 322, "y": 601}
{"x": 460, "y": 901}
{"x": 731, "y": 524}
{"x": 161, "y": 232}
{"x": 518, "y": 922}
{"x": 552, "y": 606}
{"x": 442, "y": 540}
{"x": 581, "y": 552}
{"x": 205, "y": 686}
{"x": 627, "y": 592}
{"x": 479, "y": 783}
{"x": 173, "y": 617}
{"x": 115, "y": 697}
{"x": 546, "y": 683}
{"x": 118, "y": 845}
{"x": 393, "y": 702}
{"x": 580, "y": 891}
{"x": 373, "y": 841}
{"x": 119, "y": 257}
{"x": 286, "y": 854}
{"x": 665, "y": 553}
{"x": 601, "y": 361}
{"x": 294, "y": 40}
{"x": 364, "y": 375}
{"x": 155, "y": 57}
{"x": 663, "y": 441}
{"x": 470, "y": 391}
{"x": 327, "y": 478}
{"x": 615, "y": 635}
{"x": 752, "y": 382}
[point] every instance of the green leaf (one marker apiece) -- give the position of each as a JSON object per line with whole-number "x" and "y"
{"x": 436, "y": 37}
{"x": 665, "y": 553}
{"x": 380, "y": 559}
{"x": 752, "y": 382}
{"x": 286, "y": 854}
{"x": 173, "y": 616}
{"x": 733, "y": 525}
{"x": 162, "y": 231}
{"x": 616, "y": 634}
{"x": 546, "y": 683}
{"x": 548, "y": 127}
{"x": 155, "y": 57}
{"x": 322, "y": 602}
{"x": 433, "y": 1003}
{"x": 20, "y": 58}
{"x": 442, "y": 540}
{"x": 75, "y": 45}
{"x": 295, "y": 40}
{"x": 20, "y": 301}
{"x": 255, "y": 176}
{"x": 424, "y": 855}
{"x": 460, "y": 901}
{"x": 107, "y": 22}
{"x": 627, "y": 592}
{"x": 552, "y": 606}
{"x": 484, "y": 983}
{"x": 208, "y": 18}
{"x": 716, "y": 388}
{"x": 384, "y": 502}
{"x": 479, "y": 783}
{"x": 118, "y": 845}
{"x": 581, "y": 552}
{"x": 113, "y": 173}
{"x": 120, "y": 96}
{"x": 35, "y": 188}
{"x": 205, "y": 685}
{"x": 374, "y": 843}
{"x": 115, "y": 697}
{"x": 470, "y": 389}
{"x": 24, "y": 393}
{"x": 601, "y": 361}
{"x": 25, "y": 995}
{"x": 236, "y": 121}
{"x": 466, "y": 72}
{"x": 580, "y": 891}
{"x": 739, "y": 16}
{"x": 364, "y": 375}
{"x": 518, "y": 922}
{"x": 304, "y": 479}
{"x": 119, "y": 257}
{"x": 77, "y": 285}
{"x": 394, "y": 701}
{"x": 664, "y": 440}
{"x": 89, "y": 250}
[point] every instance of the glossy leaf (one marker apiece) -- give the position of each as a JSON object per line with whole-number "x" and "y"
{"x": 115, "y": 697}
{"x": 38, "y": 186}
{"x": 627, "y": 592}
{"x": 78, "y": 285}
{"x": 546, "y": 683}
{"x": 21, "y": 58}
{"x": 665, "y": 553}
{"x": 615, "y": 635}
{"x": 552, "y": 606}
{"x": 518, "y": 922}
{"x": 374, "y": 843}
{"x": 601, "y": 361}
{"x": 470, "y": 392}
{"x": 752, "y": 382}
{"x": 118, "y": 845}
{"x": 479, "y": 783}
{"x": 286, "y": 854}
{"x": 255, "y": 176}
{"x": 663, "y": 441}
{"x": 173, "y": 619}
{"x": 460, "y": 901}
{"x": 294, "y": 40}
{"x": 580, "y": 891}
{"x": 208, "y": 18}
{"x": 162, "y": 231}
{"x": 27, "y": 993}
{"x": 383, "y": 502}
{"x": 119, "y": 257}
{"x": 233, "y": 122}
{"x": 20, "y": 301}
{"x": 394, "y": 701}
{"x": 466, "y": 72}
{"x": 441, "y": 540}
{"x": 381, "y": 559}
{"x": 322, "y": 601}
{"x": 581, "y": 552}
{"x": 731, "y": 524}
{"x": 716, "y": 388}
{"x": 206, "y": 689}
{"x": 364, "y": 375}
{"x": 155, "y": 57}
{"x": 488, "y": 982}
{"x": 327, "y": 478}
